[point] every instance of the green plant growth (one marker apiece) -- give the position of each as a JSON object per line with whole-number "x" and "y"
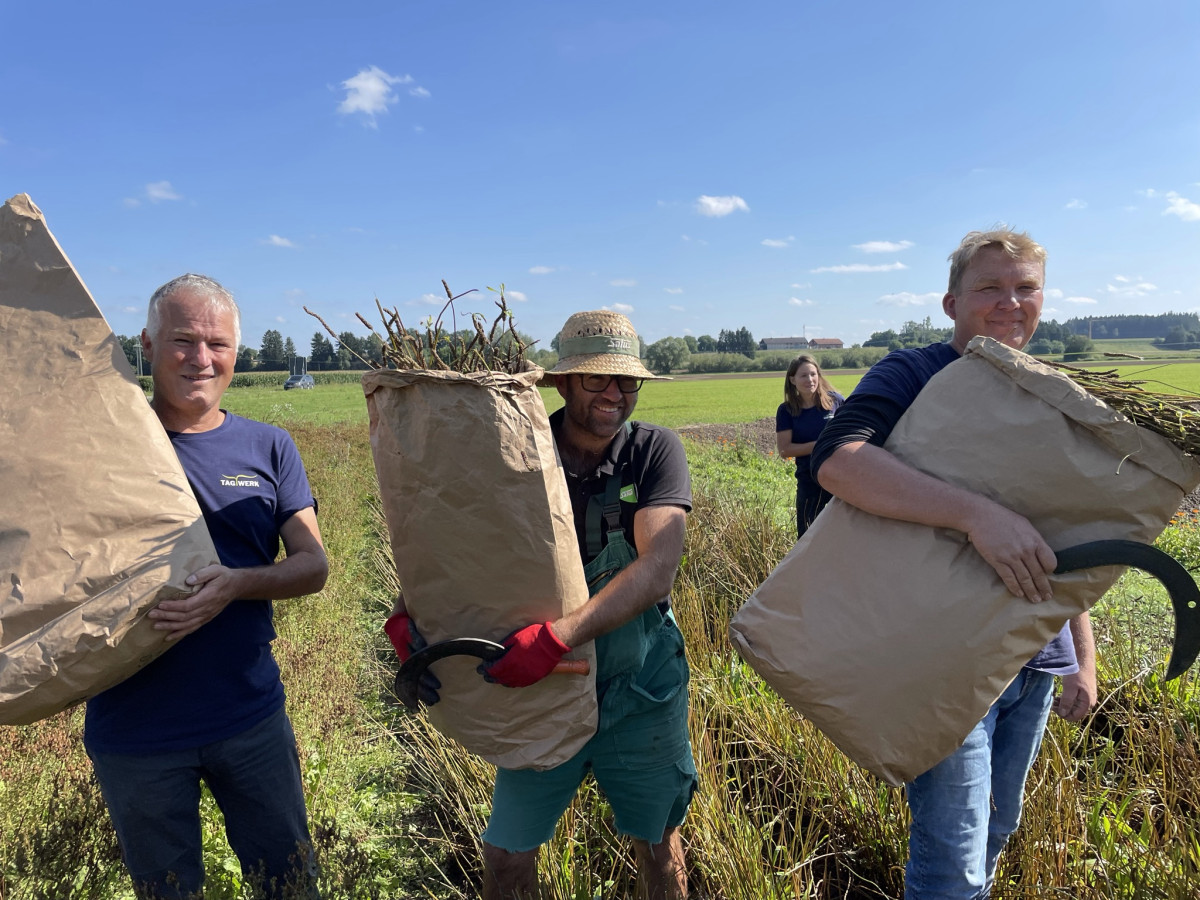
{"x": 1113, "y": 805}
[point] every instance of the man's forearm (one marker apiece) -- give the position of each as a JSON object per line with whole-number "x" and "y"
{"x": 632, "y": 591}
{"x": 297, "y": 575}
{"x": 875, "y": 481}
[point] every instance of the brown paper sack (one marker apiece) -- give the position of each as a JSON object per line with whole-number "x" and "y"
{"x": 97, "y": 523}
{"x": 484, "y": 542}
{"x": 893, "y": 638}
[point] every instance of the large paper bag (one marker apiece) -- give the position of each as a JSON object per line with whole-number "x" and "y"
{"x": 895, "y": 638}
{"x": 97, "y": 521}
{"x": 484, "y": 543}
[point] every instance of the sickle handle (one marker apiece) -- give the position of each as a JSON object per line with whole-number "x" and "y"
{"x": 1181, "y": 587}
{"x": 572, "y": 667}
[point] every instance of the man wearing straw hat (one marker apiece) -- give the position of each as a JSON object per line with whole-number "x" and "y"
{"x": 630, "y": 493}
{"x": 965, "y": 807}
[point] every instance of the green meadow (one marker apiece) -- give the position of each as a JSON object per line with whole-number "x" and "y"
{"x": 685, "y": 400}
{"x": 1113, "y": 804}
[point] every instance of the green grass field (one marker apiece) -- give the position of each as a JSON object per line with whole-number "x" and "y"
{"x": 683, "y": 401}
{"x": 1113, "y": 804}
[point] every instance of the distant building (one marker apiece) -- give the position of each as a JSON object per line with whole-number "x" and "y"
{"x": 787, "y": 343}
{"x": 799, "y": 343}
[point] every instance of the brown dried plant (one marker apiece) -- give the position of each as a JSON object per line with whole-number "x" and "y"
{"x": 1173, "y": 416}
{"x": 498, "y": 348}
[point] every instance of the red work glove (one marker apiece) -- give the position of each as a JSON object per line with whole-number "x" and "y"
{"x": 533, "y": 652}
{"x": 404, "y": 635}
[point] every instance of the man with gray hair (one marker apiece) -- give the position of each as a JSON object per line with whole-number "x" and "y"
{"x": 211, "y": 708}
{"x": 965, "y": 808}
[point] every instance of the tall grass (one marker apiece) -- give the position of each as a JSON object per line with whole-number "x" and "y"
{"x": 1113, "y": 805}
{"x": 56, "y": 841}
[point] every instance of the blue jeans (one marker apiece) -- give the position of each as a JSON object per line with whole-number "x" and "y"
{"x": 965, "y": 807}
{"x": 154, "y": 803}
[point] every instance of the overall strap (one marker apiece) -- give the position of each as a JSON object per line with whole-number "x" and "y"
{"x": 608, "y": 511}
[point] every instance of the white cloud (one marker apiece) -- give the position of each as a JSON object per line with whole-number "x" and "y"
{"x": 541, "y": 270}
{"x": 277, "y": 241}
{"x": 131, "y": 309}
{"x": 1121, "y": 278}
{"x": 688, "y": 239}
{"x": 720, "y": 206}
{"x": 673, "y": 290}
{"x": 1076, "y": 204}
{"x": 775, "y": 242}
{"x": 678, "y": 309}
{"x": 157, "y": 191}
{"x": 796, "y": 301}
{"x": 801, "y": 287}
{"x": 883, "y": 246}
{"x": 861, "y": 267}
{"x": 623, "y": 282}
{"x": 1053, "y": 294}
{"x": 419, "y": 92}
{"x": 431, "y": 300}
{"x": 1131, "y": 289}
{"x": 370, "y": 93}
{"x": 1079, "y": 300}
{"x": 1182, "y": 207}
{"x": 624, "y": 308}
{"x": 1148, "y": 192}
{"x": 907, "y": 298}
{"x": 519, "y": 296}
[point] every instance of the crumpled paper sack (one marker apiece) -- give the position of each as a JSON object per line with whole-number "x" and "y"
{"x": 893, "y": 638}
{"x": 97, "y": 520}
{"x": 484, "y": 542}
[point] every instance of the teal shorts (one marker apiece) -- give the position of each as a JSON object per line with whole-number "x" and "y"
{"x": 640, "y": 756}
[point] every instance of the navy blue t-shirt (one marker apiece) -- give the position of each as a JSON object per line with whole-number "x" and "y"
{"x": 899, "y": 377}
{"x": 221, "y": 679}
{"x": 806, "y": 426}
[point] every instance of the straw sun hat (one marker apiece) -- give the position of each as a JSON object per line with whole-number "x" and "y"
{"x": 600, "y": 342}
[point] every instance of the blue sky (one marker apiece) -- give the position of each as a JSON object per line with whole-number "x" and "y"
{"x": 791, "y": 167}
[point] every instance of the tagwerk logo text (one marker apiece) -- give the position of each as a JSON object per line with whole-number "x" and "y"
{"x": 237, "y": 481}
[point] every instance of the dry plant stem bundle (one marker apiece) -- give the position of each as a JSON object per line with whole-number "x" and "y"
{"x": 495, "y": 349}
{"x": 1173, "y": 416}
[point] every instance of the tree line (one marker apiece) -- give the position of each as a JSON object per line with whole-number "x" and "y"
{"x": 349, "y": 351}
{"x": 732, "y": 350}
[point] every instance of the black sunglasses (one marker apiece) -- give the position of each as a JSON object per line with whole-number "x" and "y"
{"x": 596, "y": 384}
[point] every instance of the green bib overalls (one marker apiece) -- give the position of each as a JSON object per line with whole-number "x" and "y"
{"x": 625, "y": 649}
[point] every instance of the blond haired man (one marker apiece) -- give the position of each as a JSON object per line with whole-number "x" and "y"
{"x": 965, "y": 808}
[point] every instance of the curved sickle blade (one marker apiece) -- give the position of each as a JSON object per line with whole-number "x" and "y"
{"x": 408, "y": 678}
{"x": 1181, "y": 587}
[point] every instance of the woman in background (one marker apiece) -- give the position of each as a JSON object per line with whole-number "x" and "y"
{"x": 809, "y": 402}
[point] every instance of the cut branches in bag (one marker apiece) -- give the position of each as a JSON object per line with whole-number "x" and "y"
{"x": 496, "y": 348}
{"x": 480, "y": 524}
